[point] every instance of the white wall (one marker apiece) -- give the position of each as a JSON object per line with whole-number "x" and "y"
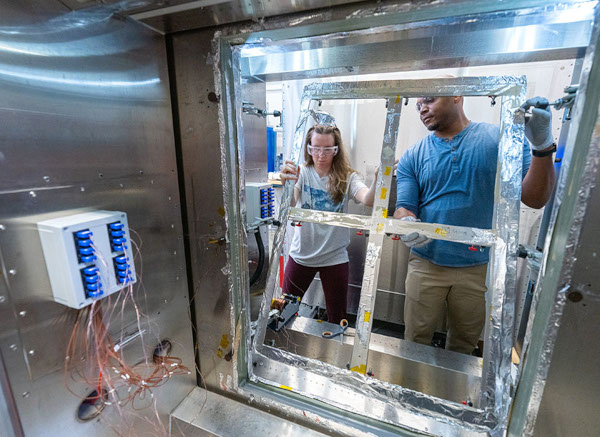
{"x": 362, "y": 121}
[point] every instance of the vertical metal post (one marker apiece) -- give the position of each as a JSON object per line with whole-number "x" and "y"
{"x": 496, "y": 375}
{"x": 366, "y": 305}
{"x": 284, "y": 212}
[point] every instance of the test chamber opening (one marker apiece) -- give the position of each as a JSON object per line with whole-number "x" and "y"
{"x": 300, "y": 321}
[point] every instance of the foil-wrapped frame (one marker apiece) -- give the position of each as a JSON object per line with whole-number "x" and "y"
{"x": 352, "y": 390}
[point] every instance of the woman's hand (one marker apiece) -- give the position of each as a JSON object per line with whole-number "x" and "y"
{"x": 289, "y": 172}
{"x": 393, "y": 171}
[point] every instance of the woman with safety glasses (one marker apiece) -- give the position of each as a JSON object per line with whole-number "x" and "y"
{"x": 325, "y": 182}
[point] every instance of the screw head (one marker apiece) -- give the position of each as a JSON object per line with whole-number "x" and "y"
{"x": 31, "y": 353}
{"x": 13, "y": 347}
{"x": 23, "y": 313}
{"x": 2, "y": 299}
{"x": 2, "y": 228}
{"x": 12, "y": 272}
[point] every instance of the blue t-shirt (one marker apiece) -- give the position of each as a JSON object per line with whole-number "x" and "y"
{"x": 452, "y": 182}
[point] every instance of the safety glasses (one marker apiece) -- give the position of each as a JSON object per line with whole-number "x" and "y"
{"x": 426, "y": 101}
{"x": 325, "y": 151}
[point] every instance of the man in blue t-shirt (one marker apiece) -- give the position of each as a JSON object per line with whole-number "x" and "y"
{"x": 448, "y": 177}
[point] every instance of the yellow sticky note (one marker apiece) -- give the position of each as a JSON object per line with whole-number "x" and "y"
{"x": 285, "y": 387}
{"x": 441, "y": 232}
{"x": 380, "y": 227}
{"x": 367, "y": 316}
{"x": 387, "y": 171}
{"x": 384, "y": 213}
{"x": 383, "y": 193}
{"x": 397, "y": 100}
{"x": 360, "y": 369}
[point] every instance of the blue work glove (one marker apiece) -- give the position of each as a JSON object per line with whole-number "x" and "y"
{"x": 538, "y": 127}
{"x": 414, "y": 239}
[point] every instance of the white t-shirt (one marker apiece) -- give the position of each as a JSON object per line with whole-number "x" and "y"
{"x": 317, "y": 245}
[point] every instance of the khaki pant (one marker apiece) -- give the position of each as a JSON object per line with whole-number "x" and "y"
{"x": 429, "y": 287}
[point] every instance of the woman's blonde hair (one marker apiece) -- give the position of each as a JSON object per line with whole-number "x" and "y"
{"x": 340, "y": 172}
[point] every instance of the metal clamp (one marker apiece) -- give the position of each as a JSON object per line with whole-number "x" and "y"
{"x": 249, "y": 108}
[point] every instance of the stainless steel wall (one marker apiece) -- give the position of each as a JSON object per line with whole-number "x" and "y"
{"x": 85, "y": 123}
{"x": 570, "y": 397}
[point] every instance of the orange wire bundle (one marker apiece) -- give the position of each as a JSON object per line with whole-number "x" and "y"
{"x": 102, "y": 364}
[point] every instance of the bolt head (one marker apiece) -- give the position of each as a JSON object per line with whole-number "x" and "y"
{"x": 575, "y": 296}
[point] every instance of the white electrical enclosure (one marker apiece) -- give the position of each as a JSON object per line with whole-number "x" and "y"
{"x": 260, "y": 200}
{"x": 88, "y": 256}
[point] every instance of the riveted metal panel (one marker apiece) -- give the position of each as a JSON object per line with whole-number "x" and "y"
{"x": 86, "y": 124}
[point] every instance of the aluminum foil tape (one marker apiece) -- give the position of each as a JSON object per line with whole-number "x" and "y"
{"x": 497, "y": 371}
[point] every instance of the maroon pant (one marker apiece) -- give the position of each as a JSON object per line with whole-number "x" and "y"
{"x": 297, "y": 279}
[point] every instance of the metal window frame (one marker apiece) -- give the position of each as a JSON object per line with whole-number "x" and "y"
{"x": 352, "y": 390}
{"x": 234, "y": 376}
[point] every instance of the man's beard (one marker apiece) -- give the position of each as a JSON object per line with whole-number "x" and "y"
{"x": 433, "y": 127}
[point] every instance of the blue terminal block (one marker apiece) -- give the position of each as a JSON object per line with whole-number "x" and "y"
{"x": 118, "y": 249}
{"x": 117, "y": 226}
{"x": 86, "y": 251}
{"x": 119, "y": 241}
{"x": 84, "y": 243}
{"x": 93, "y": 290}
{"x": 122, "y": 269}
{"x": 93, "y": 287}
{"x": 117, "y": 233}
{"x": 89, "y": 271}
{"x": 92, "y": 294}
{"x": 86, "y": 259}
{"x": 83, "y": 234}
{"x": 92, "y": 279}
